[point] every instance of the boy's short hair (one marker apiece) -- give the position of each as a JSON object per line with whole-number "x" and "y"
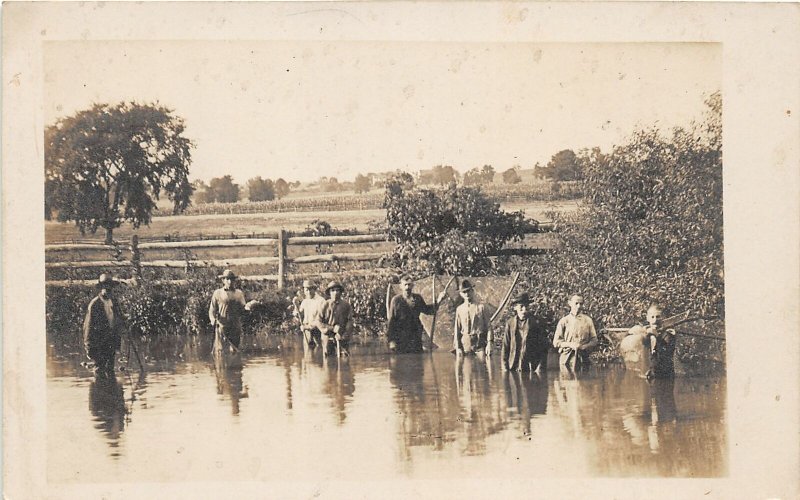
{"x": 575, "y": 295}
{"x": 655, "y": 306}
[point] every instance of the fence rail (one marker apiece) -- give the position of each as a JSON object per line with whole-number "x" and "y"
{"x": 283, "y": 239}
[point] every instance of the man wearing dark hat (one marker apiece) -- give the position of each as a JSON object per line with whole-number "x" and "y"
{"x": 226, "y": 310}
{"x": 472, "y": 333}
{"x": 336, "y": 320}
{"x": 404, "y": 329}
{"x": 309, "y": 311}
{"x": 102, "y": 325}
{"x": 525, "y": 344}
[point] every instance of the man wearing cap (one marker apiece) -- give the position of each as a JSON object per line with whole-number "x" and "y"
{"x": 336, "y": 319}
{"x": 310, "y": 313}
{"x": 472, "y": 333}
{"x": 226, "y": 311}
{"x": 102, "y": 325}
{"x": 404, "y": 329}
{"x": 525, "y": 344}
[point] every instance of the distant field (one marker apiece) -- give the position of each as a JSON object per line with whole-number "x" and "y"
{"x": 242, "y": 225}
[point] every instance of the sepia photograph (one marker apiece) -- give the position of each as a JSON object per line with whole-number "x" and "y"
{"x": 336, "y": 251}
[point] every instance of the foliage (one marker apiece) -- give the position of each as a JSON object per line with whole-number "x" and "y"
{"x": 259, "y": 189}
{"x": 109, "y": 164}
{"x": 440, "y": 174}
{"x": 651, "y": 229}
{"x": 477, "y": 176}
{"x": 223, "y": 190}
{"x": 282, "y": 188}
{"x": 511, "y": 176}
{"x": 362, "y": 184}
{"x": 453, "y": 229}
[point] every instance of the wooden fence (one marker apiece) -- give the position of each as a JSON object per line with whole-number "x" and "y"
{"x": 282, "y": 240}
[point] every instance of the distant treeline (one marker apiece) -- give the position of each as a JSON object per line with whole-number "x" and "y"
{"x": 540, "y": 191}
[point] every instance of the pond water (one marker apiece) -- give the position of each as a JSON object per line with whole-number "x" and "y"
{"x": 282, "y": 414}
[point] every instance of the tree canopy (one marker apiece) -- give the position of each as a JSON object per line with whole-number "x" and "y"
{"x": 651, "y": 229}
{"x": 259, "y": 189}
{"x": 109, "y": 164}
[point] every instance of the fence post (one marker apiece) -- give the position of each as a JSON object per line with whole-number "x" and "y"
{"x": 136, "y": 259}
{"x": 281, "y": 259}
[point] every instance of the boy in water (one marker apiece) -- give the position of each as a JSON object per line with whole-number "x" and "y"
{"x": 575, "y": 336}
{"x": 336, "y": 320}
{"x": 524, "y": 345}
{"x": 658, "y": 342}
{"x": 472, "y": 333}
{"x": 310, "y": 312}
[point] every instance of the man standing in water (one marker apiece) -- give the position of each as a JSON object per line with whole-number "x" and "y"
{"x": 337, "y": 320}
{"x": 525, "y": 344}
{"x": 310, "y": 312}
{"x": 101, "y": 327}
{"x": 226, "y": 311}
{"x": 658, "y": 343}
{"x": 472, "y": 333}
{"x": 575, "y": 335}
{"x": 404, "y": 329}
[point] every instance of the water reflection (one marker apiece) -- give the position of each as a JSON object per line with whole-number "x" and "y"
{"x": 526, "y": 396}
{"x": 107, "y": 405}
{"x": 427, "y": 412}
{"x": 228, "y": 370}
{"x": 340, "y": 385}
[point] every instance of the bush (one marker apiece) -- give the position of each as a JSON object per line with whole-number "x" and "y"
{"x": 451, "y": 230}
{"x": 651, "y": 231}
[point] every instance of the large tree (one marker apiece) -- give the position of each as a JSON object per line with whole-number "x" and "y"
{"x": 282, "y": 188}
{"x": 259, "y": 189}
{"x": 109, "y": 164}
{"x": 224, "y": 189}
{"x": 362, "y": 184}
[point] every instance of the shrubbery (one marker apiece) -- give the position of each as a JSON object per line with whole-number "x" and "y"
{"x": 451, "y": 230}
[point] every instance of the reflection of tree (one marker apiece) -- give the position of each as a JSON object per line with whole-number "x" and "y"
{"x": 340, "y": 384}
{"x": 228, "y": 369}
{"x": 107, "y": 405}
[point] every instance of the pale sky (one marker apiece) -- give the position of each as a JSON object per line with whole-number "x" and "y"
{"x": 301, "y": 110}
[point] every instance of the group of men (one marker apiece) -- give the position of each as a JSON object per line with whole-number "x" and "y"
{"x": 328, "y": 323}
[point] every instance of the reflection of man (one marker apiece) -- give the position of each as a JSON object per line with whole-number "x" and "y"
{"x": 575, "y": 336}
{"x": 101, "y": 327}
{"x": 472, "y": 333}
{"x": 107, "y": 405}
{"x": 404, "y": 329}
{"x": 229, "y": 380}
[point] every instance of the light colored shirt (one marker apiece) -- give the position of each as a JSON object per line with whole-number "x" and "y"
{"x": 472, "y": 319}
{"x": 108, "y": 305}
{"x": 227, "y": 306}
{"x": 573, "y": 328}
{"x": 311, "y": 310}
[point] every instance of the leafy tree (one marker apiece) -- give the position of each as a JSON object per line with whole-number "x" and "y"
{"x": 362, "y": 184}
{"x": 564, "y": 166}
{"x": 224, "y": 189}
{"x": 511, "y": 176}
{"x": 108, "y": 164}
{"x": 651, "y": 229}
{"x": 202, "y": 192}
{"x": 476, "y": 176}
{"x": 282, "y": 188}
{"x": 331, "y": 185}
{"x": 397, "y": 184}
{"x": 452, "y": 230}
{"x": 259, "y": 189}
{"x": 487, "y": 174}
{"x": 444, "y": 174}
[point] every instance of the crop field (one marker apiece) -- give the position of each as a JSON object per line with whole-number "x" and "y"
{"x": 244, "y": 225}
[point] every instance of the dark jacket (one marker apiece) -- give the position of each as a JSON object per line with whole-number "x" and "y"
{"x": 519, "y": 353}
{"x": 404, "y": 324}
{"x": 97, "y": 333}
